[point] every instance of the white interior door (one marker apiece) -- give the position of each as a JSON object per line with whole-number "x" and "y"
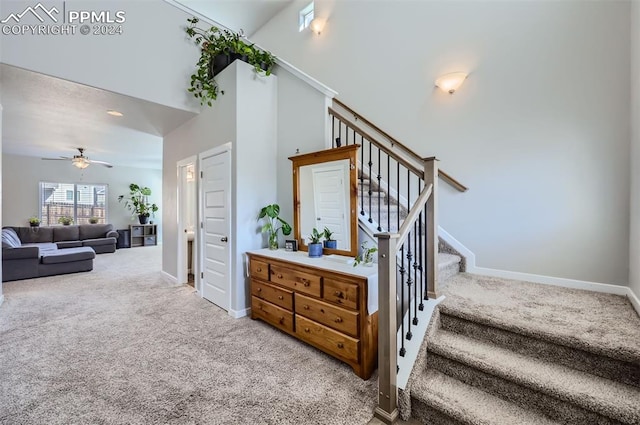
{"x": 330, "y": 205}
{"x": 215, "y": 192}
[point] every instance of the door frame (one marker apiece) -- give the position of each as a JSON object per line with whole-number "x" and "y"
{"x": 227, "y": 147}
{"x": 181, "y": 175}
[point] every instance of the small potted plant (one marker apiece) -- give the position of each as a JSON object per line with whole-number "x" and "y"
{"x": 328, "y": 241}
{"x": 34, "y": 221}
{"x": 138, "y": 202}
{"x": 93, "y": 220}
{"x": 315, "y": 246}
{"x": 366, "y": 256}
{"x": 65, "y": 220}
{"x": 271, "y": 214}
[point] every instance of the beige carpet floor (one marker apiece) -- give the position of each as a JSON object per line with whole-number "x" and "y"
{"x": 119, "y": 345}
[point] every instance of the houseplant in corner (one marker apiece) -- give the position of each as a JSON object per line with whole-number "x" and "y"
{"x": 138, "y": 202}
{"x": 271, "y": 213}
{"x": 34, "y": 221}
{"x": 328, "y": 242}
{"x": 218, "y": 48}
{"x": 315, "y": 246}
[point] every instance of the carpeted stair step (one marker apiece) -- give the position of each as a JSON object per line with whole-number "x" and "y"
{"x": 448, "y": 266}
{"x": 442, "y": 400}
{"x": 565, "y": 394}
{"x": 534, "y": 346}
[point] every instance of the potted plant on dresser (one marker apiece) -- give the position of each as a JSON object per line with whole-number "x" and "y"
{"x": 315, "y": 246}
{"x": 328, "y": 241}
{"x": 138, "y": 202}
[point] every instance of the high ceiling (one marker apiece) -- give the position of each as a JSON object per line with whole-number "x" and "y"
{"x": 45, "y": 116}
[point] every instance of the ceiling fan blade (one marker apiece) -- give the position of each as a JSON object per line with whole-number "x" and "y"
{"x": 106, "y": 164}
{"x": 62, "y": 158}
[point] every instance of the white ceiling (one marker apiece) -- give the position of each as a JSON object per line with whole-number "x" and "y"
{"x": 45, "y": 116}
{"x": 248, "y": 15}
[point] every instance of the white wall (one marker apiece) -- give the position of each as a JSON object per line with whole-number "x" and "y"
{"x": 152, "y": 59}
{"x": 539, "y": 131}
{"x": 22, "y": 174}
{"x": 634, "y": 233}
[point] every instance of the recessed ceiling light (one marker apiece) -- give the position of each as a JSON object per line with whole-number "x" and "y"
{"x": 114, "y": 113}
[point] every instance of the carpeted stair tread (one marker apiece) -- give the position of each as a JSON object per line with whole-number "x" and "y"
{"x": 599, "y": 323}
{"x": 608, "y": 398}
{"x": 469, "y": 405}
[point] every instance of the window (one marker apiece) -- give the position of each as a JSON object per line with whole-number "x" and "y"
{"x": 305, "y": 17}
{"x": 80, "y": 201}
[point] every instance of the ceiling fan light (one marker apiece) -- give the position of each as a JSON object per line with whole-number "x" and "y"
{"x": 80, "y": 162}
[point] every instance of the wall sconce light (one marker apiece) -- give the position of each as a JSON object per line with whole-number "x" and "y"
{"x": 450, "y": 82}
{"x": 317, "y": 25}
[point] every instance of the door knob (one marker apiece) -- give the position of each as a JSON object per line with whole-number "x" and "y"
{"x": 223, "y": 239}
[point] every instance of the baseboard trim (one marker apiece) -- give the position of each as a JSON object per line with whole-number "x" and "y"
{"x": 169, "y": 278}
{"x": 236, "y": 314}
{"x": 635, "y": 301}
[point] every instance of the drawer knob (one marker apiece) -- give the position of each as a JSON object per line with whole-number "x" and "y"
{"x": 306, "y": 330}
{"x": 306, "y": 307}
{"x": 338, "y": 319}
{"x": 338, "y": 294}
{"x": 279, "y": 276}
{"x": 280, "y": 297}
{"x": 340, "y": 345}
{"x": 260, "y": 307}
{"x": 259, "y": 269}
{"x": 259, "y": 289}
{"x": 282, "y": 320}
{"x": 322, "y": 310}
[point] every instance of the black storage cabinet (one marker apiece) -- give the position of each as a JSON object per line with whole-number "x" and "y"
{"x": 124, "y": 238}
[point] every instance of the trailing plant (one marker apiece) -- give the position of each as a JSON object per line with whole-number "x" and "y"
{"x": 272, "y": 214}
{"x": 214, "y": 42}
{"x": 366, "y": 256}
{"x": 315, "y": 236}
{"x": 138, "y": 202}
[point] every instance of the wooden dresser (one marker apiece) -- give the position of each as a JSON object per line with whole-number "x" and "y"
{"x": 319, "y": 301}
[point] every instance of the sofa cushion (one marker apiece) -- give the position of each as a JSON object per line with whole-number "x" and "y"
{"x": 34, "y": 234}
{"x": 94, "y": 231}
{"x": 10, "y": 239}
{"x": 66, "y": 233}
{"x": 98, "y": 242}
{"x": 68, "y": 255}
{"x": 20, "y": 253}
{"x": 43, "y": 247}
{"x": 69, "y": 244}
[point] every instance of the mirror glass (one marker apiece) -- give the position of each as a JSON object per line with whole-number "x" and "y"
{"x": 325, "y": 194}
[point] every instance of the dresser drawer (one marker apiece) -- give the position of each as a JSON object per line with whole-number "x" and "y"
{"x": 272, "y": 314}
{"x": 296, "y": 280}
{"x": 335, "y": 317}
{"x": 336, "y": 343}
{"x": 343, "y": 293}
{"x": 259, "y": 270}
{"x": 278, "y": 296}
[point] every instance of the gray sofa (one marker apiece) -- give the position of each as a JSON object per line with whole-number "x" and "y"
{"x": 29, "y": 252}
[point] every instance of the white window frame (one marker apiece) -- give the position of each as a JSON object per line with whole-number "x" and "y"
{"x": 305, "y": 17}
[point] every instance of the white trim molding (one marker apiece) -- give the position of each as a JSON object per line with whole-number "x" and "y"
{"x": 236, "y": 314}
{"x": 169, "y": 278}
{"x": 633, "y": 298}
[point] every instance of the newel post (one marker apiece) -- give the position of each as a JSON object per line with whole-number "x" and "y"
{"x": 431, "y": 178}
{"x": 387, "y": 410}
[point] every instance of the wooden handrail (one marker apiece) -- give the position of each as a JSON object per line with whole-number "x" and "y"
{"x": 379, "y": 145}
{"x": 414, "y": 214}
{"x": 444, "y": 176}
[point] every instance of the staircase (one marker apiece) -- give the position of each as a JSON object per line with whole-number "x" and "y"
{"x": 507, "y": 352}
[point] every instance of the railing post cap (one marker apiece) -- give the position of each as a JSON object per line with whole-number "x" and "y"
{"x": 430, "y": 158}
{"x": 387, "y": 235}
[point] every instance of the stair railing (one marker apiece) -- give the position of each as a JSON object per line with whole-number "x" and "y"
{"x": 407, "y": 245}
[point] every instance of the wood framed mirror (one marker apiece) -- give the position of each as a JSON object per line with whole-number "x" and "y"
{"x": 325, "y": 192}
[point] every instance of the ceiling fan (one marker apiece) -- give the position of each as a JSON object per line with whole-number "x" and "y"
{"x": 80, "y": 161}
